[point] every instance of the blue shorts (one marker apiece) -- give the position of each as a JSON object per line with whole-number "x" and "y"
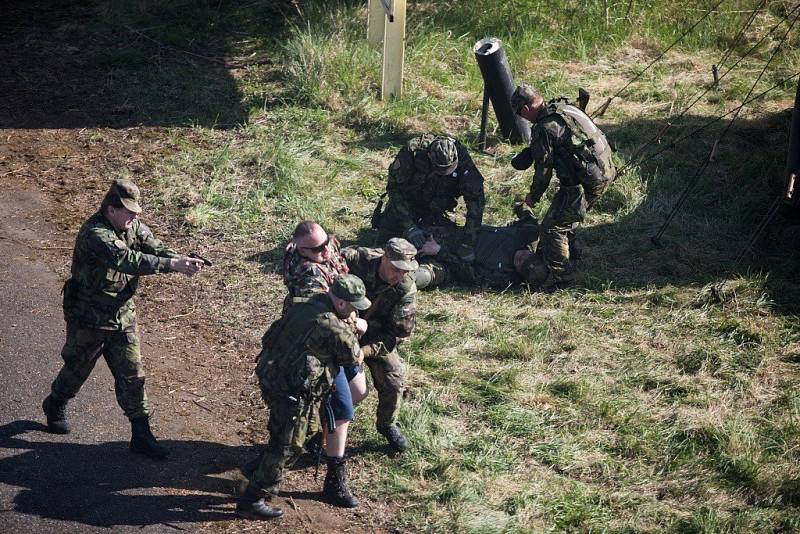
{"x": 340, "y": 400}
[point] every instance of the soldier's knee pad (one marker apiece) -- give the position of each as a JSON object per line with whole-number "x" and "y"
{"x": 423, "y": 276}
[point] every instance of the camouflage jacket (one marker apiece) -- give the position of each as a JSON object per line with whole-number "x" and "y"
{"x": 392, "y": 315}
{"x": 565, "y": 140}
{"x": 301, "y": 351}
{"x": 106, "y": 266}
{"x": 419, "y": 196}
{"x": 305, "y": 278}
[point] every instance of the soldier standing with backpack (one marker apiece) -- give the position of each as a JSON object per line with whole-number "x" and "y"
{"x": 565, "y": 140}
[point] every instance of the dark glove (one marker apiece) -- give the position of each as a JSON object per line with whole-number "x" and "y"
{"x": 523, "y": 160}
{"x": 416, "y": 236}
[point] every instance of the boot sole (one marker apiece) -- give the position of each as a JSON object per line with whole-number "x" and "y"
{"x": 246, "y": 514}
{"x": 342, "y": 504}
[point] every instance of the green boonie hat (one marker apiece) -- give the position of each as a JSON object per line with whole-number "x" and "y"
{"x": 401, "y": 253}
{"x": 350, "y": 288}
{"x": 127, "y": 193}
{"x": 523, "y": 94}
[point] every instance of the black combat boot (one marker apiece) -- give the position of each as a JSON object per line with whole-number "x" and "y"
{"x": 397, "y": 441}
{"x": 335, "y": 489}
{"x": 56, "y": 419}
{"x": 252, "y": 506}
{"x": 143, "y": 441}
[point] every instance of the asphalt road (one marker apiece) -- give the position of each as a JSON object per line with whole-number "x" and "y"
{"x": 86, "y": 481}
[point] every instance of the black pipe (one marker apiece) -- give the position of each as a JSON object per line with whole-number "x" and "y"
{"x": 499, "y": 83}
{"x": 793, "y": 158}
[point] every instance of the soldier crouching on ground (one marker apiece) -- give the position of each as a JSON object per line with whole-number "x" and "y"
{"x": 565, "y": 140}
{"x": 391, "y": 317}
{"x": 112, "y": 250}
{"x": 311, "y": 263}
{"x": 426, "y": 179}
{"x": 300, "y": 356}
{"x": 504, "y": 256}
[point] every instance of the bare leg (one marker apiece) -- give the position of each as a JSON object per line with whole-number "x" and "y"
{"x": 358, "y": 388}
{"x": 335, "y": 442}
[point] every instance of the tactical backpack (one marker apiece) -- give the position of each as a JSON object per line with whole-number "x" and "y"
{"x": 589, "y": 144}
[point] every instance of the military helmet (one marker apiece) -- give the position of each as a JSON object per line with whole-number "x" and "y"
{"x": 523, "y": 94}
{"x": 443, "y": 154}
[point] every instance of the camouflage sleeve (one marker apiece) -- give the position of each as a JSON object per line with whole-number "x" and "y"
{"x": 113, "y": 253}
{"x": 474, "y": 198}
{"x": 403, "y": 318}
{"x": 542, "y": 153}
{"x": 401, "y": 174}
{"x": 151, "y": 245}
{"x": 332, "y": 340}
{"x": 385, "y": 334}
{"x": 357, "y": 259}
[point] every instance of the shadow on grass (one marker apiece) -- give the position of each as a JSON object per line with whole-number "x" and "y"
{"x": 271, "y": 260}
{"x": 105, "y": 485}
{"x": 714, "y": 225}
{"x": 105, "y": 63}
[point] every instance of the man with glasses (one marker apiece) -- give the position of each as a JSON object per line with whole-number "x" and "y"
{"x": 391, "y": 317}
{"x": 311, "y": 263}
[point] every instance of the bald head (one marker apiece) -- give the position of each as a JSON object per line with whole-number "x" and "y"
{"x": 311, "y": 241}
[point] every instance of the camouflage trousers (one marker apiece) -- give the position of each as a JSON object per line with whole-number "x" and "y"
{"x": 434, "y": 273}
{"x": 387, "y": 377}
{"x": 554, "y": 240}
{"x": 287, "y": 426}
{"x": 121, "y": 350}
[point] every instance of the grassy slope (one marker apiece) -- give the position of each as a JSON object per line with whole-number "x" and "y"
{"x": 638, "y": 401}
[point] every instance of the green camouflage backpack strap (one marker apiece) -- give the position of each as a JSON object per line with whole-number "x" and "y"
{"x": 589, "y": 142}
{"x": 423, "y": 142}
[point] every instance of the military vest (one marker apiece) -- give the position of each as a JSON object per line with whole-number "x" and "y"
{"x": 587, "y": 142}
{"x": 287, "y": 366}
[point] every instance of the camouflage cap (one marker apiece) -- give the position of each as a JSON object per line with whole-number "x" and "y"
{"x": 127, "y": 193}
{"x": 444, "y": 155}
{"x": 401, "y": 253}
{"x": 523, "y": 94}
{"x": 350, "y": 288}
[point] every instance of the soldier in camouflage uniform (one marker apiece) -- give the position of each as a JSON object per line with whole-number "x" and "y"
{"x": 425, "y": 182}
{"x": 301, "y": 353}
{"x": 565, "y": 140}
{"x": 112, "y": 250}
{"x": 504, "y": 256}
{"x": 387, "y": 276}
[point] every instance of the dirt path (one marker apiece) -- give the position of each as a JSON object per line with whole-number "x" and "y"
{"x": 88, "y": 481}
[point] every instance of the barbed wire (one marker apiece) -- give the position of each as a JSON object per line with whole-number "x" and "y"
{"x": 656, "y": 138}
{"x": 696, "y": 177}
{"x": 604, "y": 107}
